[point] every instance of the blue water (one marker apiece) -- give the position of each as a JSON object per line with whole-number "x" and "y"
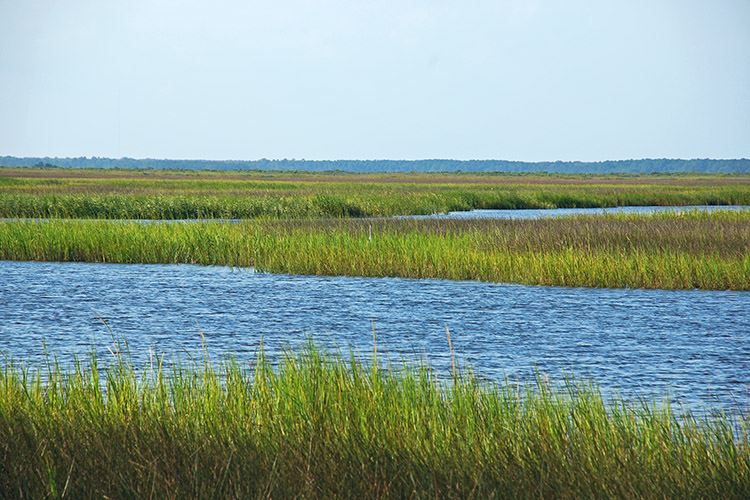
{"x": 543, "y": 213}
{"x": 692, "y": 346}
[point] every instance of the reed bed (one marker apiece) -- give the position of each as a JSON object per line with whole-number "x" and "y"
{"x": 321, "y": 425}
{"x": 43, "y": 193}
{"x": 668, "y": 251}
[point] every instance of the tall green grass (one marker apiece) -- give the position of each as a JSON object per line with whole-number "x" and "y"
{"x": 170, "y": 195}
{"x": 675, "y": 251}
{"x": 324, "y": 426}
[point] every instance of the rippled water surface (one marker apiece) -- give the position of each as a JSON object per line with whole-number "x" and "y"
{"x": 692, "y": 345}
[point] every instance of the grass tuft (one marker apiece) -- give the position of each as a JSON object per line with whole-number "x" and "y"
{"x": 320, "y": 425}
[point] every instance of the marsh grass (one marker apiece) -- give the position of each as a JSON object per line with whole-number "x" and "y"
{"x": 181, "y": 195}
{"x": 321, "y": 425}
{"x": 669, "y": 251}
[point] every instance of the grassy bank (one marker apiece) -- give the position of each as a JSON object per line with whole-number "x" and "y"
{"x": 671, "y": 251}
{"x": 187, "y": 195}
{"x": 321, "y": 426}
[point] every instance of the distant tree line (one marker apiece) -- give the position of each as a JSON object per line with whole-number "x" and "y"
{"x": 663, "y": 165}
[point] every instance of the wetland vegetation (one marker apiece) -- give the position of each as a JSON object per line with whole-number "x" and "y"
{"x": 149, "y": 194}
{"x": 319, "y": 425}
{"x": 671, "y": 251}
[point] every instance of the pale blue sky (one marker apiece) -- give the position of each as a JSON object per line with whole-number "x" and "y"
{"x": 520, "y": 80}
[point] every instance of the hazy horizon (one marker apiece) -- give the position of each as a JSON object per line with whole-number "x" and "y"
{"x": 143, "y": 158}
{"x": 495, "y": 80}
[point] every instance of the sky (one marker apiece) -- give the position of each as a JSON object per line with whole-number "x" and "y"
{"x": 532, "y": 80}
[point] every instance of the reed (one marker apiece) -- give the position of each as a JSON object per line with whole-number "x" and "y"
{"x": 669, "y": 251}
{"x": 187, "y": 195}
{"x": 320, "y": 425}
